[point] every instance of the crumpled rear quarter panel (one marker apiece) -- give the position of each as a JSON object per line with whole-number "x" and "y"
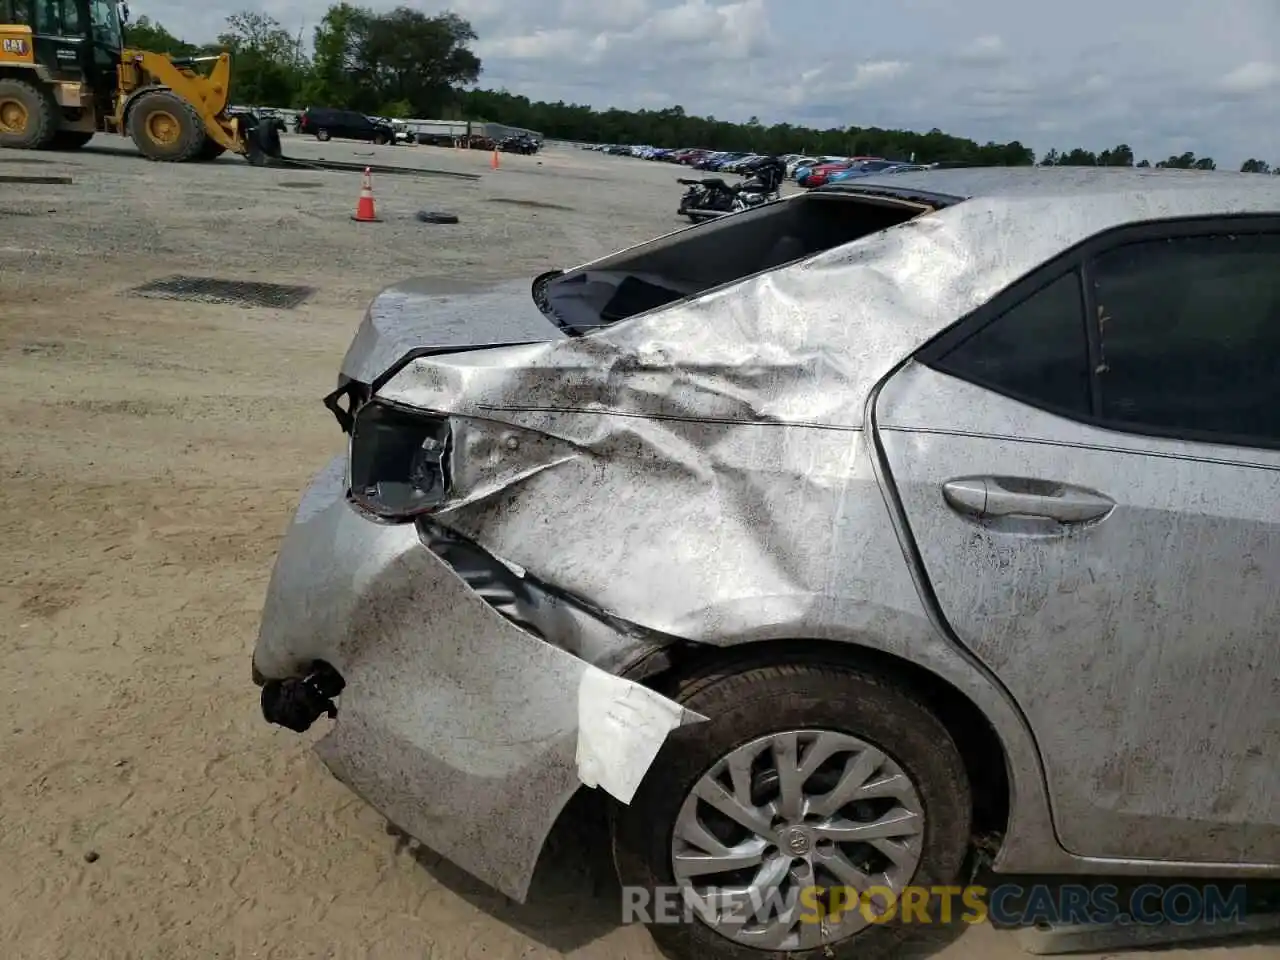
{"x": 702, "y": 470}
{"x": 709, "y": 467}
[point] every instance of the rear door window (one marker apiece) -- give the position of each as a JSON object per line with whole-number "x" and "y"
{"x": 1190, "y": 335}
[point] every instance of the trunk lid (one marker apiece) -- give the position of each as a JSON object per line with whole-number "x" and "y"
{"x": 442, "y": 315}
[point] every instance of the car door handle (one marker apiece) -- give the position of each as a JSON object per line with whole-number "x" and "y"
{"x": 990, "y": 497}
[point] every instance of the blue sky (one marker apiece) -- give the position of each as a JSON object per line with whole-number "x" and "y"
{"x": 1164, "y": 76}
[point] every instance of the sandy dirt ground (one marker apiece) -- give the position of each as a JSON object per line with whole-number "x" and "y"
{"x": 152, "y": 452}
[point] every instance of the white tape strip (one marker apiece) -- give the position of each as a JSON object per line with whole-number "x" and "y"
{"x": 621, "y": 728}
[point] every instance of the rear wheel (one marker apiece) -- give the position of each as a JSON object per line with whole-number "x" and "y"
{"x": 322, "y": 134}
{"x": 166, "y": 127}
{"x": 812, "y": 786}
{"x": 28, "y": 116}
{"x": 70, "y": 139}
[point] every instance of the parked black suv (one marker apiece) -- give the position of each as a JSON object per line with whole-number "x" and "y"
{"x": 324, "y": 123}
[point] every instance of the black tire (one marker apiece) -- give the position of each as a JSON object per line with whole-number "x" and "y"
{"x": 161, "y": 109}
{"x": 28, "y": 115}
{"x": 70, "y": 139}
{"x": 435, "y": 216}
{"x": 379, "y": 139}
{"x": 750, "y": 702}
{"x": 323, "y": 135}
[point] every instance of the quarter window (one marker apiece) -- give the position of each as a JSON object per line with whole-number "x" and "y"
{"x": 1036, "y": 351}
{"x": 1190, "y": 335}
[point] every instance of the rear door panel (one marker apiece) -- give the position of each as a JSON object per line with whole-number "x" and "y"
{"x": 1141, "y": 647}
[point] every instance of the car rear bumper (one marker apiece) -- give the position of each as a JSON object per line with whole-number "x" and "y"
{"x": 461, "y": 727}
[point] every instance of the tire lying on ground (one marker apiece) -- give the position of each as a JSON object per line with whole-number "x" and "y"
{"x": 166, "y": 127}
{"x": 28, "y": 116}
{"x": 435, "y": 216}
{"x": 796, "y": 763}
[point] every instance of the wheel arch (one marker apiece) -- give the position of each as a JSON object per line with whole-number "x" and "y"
{"x": 32, "y": 72}
{"x": 982, "y": 749}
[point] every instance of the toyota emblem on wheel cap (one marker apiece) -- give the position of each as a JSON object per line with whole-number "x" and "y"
{"x": 797, "y": 842}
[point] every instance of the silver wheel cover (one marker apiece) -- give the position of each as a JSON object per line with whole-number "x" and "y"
{"x": 789, "y": 811}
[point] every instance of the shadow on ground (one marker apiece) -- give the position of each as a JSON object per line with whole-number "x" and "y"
{"x": 575, "y": 898}
{"x": 1218, "y": 914}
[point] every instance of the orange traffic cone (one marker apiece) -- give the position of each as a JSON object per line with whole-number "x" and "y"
{"x": 495, "y": 162}
{"x": 365, "y": 211}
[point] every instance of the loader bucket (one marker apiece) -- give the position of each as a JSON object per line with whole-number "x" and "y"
{"x": 262, "y": 143}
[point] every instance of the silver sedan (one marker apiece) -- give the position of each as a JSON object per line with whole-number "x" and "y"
{"x": 819, "y": 541}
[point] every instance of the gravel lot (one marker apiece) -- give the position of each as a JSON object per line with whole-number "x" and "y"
{"x": 152, "y": 453}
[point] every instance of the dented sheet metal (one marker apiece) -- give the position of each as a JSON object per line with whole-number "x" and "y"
{"x": 464, "y": 730}
{"x": 694, "y": 469}
{"x": 441, "y": 313}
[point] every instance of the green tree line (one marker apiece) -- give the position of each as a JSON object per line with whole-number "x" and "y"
{"x": 404, "y": 63}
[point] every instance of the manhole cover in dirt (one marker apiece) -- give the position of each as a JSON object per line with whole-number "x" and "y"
{"x": 242, "y": 293}
{"x": 301, "y": 184}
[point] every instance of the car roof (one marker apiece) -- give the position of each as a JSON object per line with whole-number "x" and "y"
{"x": 1130, "y": 192}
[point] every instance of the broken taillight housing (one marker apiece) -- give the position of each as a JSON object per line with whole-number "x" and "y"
{"x": 399, "y": 460}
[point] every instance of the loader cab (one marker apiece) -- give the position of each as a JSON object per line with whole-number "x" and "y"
{"x": 74, "y": 40}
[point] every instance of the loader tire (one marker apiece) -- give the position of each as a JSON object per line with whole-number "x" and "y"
{"x": 28, "y": 116}
{"x": 165, "y": 127}
{"x": 70, "y": 139}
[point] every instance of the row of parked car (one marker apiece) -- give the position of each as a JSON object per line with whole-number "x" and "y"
{"x": 804, "y": 170}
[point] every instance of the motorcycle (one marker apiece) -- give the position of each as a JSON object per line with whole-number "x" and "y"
{"x": 710, "y": 197}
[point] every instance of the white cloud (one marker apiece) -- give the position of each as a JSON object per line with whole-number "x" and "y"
{"x": 539, "y": 45}
{"x": 606, "y": 14}
{"x": 725, "y": 31}
{"x": 878, "y": 72}
{"x": 1158, "y": 74}
{"x": 1094, "y": 84}
{"x": 1257, "y": 76}
{"x": 983, "y": 51}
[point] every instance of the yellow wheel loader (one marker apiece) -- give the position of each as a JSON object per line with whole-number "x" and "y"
{"x": 67, "y": 73}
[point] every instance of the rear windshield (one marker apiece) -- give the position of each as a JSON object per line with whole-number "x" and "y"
{"x": 694, "y": 261}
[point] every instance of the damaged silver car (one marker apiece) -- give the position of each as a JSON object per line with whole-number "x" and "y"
{"x": 821, "y": 540}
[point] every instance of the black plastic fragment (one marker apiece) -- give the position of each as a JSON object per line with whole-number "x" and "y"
{"x": 298, "y": 702}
